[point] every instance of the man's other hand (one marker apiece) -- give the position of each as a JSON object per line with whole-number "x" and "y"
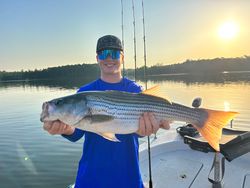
{"x": 149, "y": 125}
{"x": 58, "y": 127}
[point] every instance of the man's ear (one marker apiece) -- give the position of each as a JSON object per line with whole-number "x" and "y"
{"x": 97, "y": 60}
{"x": 122, "y": 58}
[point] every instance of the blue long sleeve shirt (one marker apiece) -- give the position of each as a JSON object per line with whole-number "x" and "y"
{"x": 107, "y": 164}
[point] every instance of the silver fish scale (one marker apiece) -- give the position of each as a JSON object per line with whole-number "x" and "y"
{"x": 127, "y": 107}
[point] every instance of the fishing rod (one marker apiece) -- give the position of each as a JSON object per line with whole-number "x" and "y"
{"x": 133, "y": 9}
{"x": 144, "y": 46}
{"x": 123, "y": 72}
{"x": 145, "y": 77}
{"x": 145, "y": 71}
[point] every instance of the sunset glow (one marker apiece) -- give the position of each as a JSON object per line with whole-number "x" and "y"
{"x": 226, "y": 106}
{"x": 228, "y": 30}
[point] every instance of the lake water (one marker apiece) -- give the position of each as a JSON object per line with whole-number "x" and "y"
{"x": 30, "y": 157}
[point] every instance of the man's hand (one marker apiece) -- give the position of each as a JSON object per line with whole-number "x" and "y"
{"x": 149, "y": 125}
{"x": 58, "y": 127}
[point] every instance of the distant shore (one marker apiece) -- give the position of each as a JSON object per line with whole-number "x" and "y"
{"x": 193, "y": 67}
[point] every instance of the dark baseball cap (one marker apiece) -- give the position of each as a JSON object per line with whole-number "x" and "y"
{"x": 109, "y": 42}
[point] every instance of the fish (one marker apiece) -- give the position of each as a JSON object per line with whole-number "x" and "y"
{"x": 117, "y": 112}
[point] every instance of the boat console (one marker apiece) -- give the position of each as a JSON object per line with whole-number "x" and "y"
{"x": 233, "y": 144}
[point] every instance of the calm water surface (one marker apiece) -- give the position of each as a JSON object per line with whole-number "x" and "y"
{"x": 29, "y": 157}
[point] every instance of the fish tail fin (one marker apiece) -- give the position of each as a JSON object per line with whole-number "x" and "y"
{"x": 211, "y": 129}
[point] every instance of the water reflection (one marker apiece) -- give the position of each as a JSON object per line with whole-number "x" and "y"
{"x": 67, "y": 83}
{"x": 73, "y": 83}
{"x": 203, "y": 78}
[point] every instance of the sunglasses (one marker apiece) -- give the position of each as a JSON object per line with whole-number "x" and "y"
{"x": 113, "y": 54}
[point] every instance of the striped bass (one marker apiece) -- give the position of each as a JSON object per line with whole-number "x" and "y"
{"x": 115, "y": 112}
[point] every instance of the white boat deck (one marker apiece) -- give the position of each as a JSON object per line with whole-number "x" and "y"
{"x": 175, "y": 165}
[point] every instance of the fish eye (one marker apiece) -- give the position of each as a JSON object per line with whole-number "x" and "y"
{"x": 58, "y": 102}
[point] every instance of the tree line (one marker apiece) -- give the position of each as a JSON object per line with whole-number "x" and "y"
{"x": 200, "y": 66}
{"x": 61, "y": 72}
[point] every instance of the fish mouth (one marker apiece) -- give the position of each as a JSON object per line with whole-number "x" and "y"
{"x": 43, "y": 116}
{"x": 45, "y": 112}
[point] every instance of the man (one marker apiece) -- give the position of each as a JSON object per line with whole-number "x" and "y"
{"x": 107, "y": 164}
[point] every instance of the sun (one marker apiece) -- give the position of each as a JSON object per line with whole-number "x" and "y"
{"x": 228, "y": 30}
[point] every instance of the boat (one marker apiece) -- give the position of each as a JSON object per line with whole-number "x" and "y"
{"x": 182, "y": 161}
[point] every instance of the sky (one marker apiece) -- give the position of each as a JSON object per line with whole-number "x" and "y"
{"x": 36, "y": 34}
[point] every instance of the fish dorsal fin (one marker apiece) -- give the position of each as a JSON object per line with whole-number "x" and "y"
{"x": 154, "y": 91}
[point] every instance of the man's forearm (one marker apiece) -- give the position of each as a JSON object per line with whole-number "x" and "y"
{"x": 75, "y": 136}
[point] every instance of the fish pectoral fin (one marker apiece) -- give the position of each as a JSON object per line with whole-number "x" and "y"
{"x": 154, "y": 91}
{"x": 99, "y": 118}
{"x": 109, "y": 136}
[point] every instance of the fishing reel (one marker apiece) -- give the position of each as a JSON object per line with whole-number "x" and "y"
{"x": 187, "y": 130}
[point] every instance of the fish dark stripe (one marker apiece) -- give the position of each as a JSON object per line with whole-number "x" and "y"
{"x": 120, "y": 106}
{"x": 163, "y": 107}
{"x": 130, "y": 96}
{"x": 157, "y": 105}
